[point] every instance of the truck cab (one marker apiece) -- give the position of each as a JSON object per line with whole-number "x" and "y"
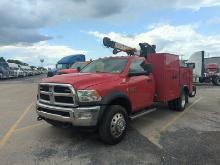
{"x": 4, "y": 70}
{"x": 15, "y": 70}
{"x": 65, "y": 63}
{"x": 74, "y": 68}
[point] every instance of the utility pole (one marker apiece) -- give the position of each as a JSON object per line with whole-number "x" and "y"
{"x": 41, "y": 61}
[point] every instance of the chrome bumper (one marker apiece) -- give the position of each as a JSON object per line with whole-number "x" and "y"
{"x": 81, "y": 116}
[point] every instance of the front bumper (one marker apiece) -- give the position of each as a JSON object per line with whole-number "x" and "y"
{"x": 79, "y": 116}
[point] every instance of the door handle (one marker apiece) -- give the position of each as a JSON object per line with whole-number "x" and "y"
{"x": 149, "y": 80}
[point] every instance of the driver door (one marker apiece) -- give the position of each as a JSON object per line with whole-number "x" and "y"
{"x": 140, "y": 87}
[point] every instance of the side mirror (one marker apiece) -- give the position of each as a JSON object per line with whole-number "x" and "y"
{"x": 191, "y": 65}
{"x": 78, "y": 69}
{"x": 147, "y": 67}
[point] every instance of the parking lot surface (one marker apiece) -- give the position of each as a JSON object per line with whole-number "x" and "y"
{"x": 162, "y": 137}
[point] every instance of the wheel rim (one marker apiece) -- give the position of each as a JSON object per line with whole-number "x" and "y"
{"x": 183, "y": 102}
{"x": 218, "y": 81}
{"x": 118, "y": 125}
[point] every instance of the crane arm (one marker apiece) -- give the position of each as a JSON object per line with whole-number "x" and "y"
{"x": 118, "y": 47}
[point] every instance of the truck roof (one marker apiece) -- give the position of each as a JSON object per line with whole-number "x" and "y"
{"x": 127, "y": 57}
{"x": 71, "y": 59}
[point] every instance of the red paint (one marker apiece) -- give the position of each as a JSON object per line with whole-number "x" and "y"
{"x": 212, "y": 68}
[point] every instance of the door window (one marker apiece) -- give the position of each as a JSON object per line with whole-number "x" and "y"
{"x": 136, "y": 67}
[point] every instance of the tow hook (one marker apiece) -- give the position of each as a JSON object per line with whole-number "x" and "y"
{"x": 39, "y": 118}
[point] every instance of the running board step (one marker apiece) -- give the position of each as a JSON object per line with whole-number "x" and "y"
{"x": 141, "y": 113}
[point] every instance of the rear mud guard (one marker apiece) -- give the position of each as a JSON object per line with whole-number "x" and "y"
{"x": 193, "y": 92}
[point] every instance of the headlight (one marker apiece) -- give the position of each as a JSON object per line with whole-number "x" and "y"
{"x": 88, "y": 95}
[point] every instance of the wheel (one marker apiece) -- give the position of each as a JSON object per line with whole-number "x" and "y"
{"x": 180, "y": 103}
{"x": 217, "y": 81}
{"x": 56, "y": 123}
{"x": 114, "y": 124}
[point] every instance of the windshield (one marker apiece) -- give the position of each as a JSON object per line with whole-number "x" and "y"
{"x": 78, "y": 64}
{"x": 108, "y": 65}
{"x": 62, "y": 66}
{"x": 4, "y": 64}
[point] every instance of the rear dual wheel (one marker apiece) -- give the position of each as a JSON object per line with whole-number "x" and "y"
{"x": 179, "y": 104}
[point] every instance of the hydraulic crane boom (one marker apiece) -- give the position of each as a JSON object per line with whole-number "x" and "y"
{"x": 118, "y": 47}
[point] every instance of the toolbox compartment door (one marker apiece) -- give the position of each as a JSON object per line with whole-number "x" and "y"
{"x": 166, "y": 71}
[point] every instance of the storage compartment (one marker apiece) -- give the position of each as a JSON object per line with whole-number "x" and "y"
{"x": 166, "y": 71}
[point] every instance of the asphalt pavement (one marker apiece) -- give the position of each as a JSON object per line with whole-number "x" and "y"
{"x": 161, "y": 137}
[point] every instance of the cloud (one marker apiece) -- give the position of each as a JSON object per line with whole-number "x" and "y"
{"x": 16, "y": 35}
{"x": 21, "y": 20}
{"x": 33, "y": 53}
{"x": 181, "y": 40}
{"x": 213, "y": 21}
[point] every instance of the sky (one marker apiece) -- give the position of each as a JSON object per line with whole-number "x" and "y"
{"x": 31, "y": 30}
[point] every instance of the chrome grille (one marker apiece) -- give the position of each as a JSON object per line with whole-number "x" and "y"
{"x": 57, "y": 94}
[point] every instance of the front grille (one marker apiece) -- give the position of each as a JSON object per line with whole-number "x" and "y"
{"x": 63, "y": 99}
{"x": 44, "y": 88}
{"x": 45, "y": 97}
{"x": 61, "y": 113}
{"x": 61, "y": 89}
{"x": 57, "y": 94}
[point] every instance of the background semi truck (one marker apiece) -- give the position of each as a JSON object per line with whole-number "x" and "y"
{"x": 74, "y": 68}
{"x": 202, "y": 72}
{"x": 66, "y": 63}
{"x": 110, "y": 91}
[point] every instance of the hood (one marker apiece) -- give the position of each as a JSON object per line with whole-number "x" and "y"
{"x": 67, "y": 71}
{"x": 82, "y": 80}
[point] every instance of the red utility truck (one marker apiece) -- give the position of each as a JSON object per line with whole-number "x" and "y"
{"x": 110, "y": 91}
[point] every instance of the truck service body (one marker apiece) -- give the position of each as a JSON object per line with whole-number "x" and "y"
{"x": 110, "y": 91}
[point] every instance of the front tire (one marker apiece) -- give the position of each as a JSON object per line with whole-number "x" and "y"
{"x": 113, "y": 126}
{"x": 217, "y": 81}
